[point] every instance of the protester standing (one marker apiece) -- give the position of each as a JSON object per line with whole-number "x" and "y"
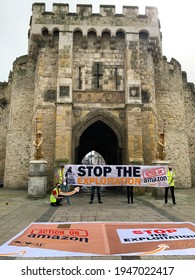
{"x": 61, "y": 176}
{"x": 171, "y": 182}
{"x": 67, "y": 183}
{"x": 93, "y": 188}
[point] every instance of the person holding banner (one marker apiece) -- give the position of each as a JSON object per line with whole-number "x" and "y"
{"x": 63, "y": 180}
{"x": 171, "y": 182}
{"x": 93, "y": 188}
{"x": 67, "y": 182}
{"x": 60, "y": 176}
{"x": 55, "y": 197}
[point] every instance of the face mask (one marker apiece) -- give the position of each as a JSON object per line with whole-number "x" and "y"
{"x": 170, "y": 169}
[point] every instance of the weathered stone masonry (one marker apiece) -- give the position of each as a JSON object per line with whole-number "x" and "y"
{"x": 95, "y": 81}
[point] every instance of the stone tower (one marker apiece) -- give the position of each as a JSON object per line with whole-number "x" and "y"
{"x": 96, "y": 82}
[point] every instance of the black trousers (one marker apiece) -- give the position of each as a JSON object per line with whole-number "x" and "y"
{"x": 172, "y": 194}
{"x": 93, "y": 192}
{"x": 130, "y": 194}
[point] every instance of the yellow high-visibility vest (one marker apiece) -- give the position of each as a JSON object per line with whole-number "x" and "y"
{"x": 60, "y": 175}
{"x": 52, "y": 197}
{"x": 171, "y": 176}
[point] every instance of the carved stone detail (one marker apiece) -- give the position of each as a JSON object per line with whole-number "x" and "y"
{"x": 122, "y": 115}
{"x": 77, "y": 111}
{"x": 93, "y": 96}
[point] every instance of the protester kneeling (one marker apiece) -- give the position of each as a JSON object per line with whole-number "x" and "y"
{"x": 55, "y": 197}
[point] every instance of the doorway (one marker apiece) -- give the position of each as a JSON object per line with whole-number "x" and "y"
{"x": 102, "y": 134}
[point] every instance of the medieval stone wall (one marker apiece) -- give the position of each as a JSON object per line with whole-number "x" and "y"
{"x": 148, "y": 59}
{"x": 98, "y": 60}
{"x": 18, "y": 143}
{"x": 4, "y": 122}
{"x": 44, "y": 108}
{"x": 83, "y": 67}
{"x": 189, "y": 102}
{"x": 149, "y": 135}
{"x": 171, "y": 108}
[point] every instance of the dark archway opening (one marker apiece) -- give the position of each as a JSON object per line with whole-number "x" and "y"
{"x": 101, "y": 138}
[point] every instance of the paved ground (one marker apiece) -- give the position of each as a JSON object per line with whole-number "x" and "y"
{"x": 19, "y": 212}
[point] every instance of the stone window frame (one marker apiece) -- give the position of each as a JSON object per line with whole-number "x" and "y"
{"x": 97, "y": 82}
{"x": 50, "y": 95}
{"x": 145, "y": 97}
{"x": 45, "y": 32}
{"x": 64, "y": 91}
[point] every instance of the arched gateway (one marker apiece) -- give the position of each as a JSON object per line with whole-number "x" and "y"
{"x": 99, "y": 131}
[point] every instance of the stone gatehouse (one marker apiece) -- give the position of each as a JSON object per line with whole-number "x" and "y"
{"x": 95, "y": 82}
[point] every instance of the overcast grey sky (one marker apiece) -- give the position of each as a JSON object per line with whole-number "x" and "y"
{"x": 176, "y": 18}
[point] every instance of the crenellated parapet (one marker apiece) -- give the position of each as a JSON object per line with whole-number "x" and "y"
{"x": 39, "y": 10}
{"x": 62, "y": 17}
{"x": 60, "y": 8}
{"x": 47, "y": 27}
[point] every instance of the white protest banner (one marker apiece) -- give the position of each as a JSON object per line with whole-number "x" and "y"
{"x": 117, "y": 175}
{"x": 102, "y": 238}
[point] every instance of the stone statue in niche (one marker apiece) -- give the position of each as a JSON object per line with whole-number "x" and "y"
{"x": 38, "y": 143}
{"x": 161, "y": 145}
